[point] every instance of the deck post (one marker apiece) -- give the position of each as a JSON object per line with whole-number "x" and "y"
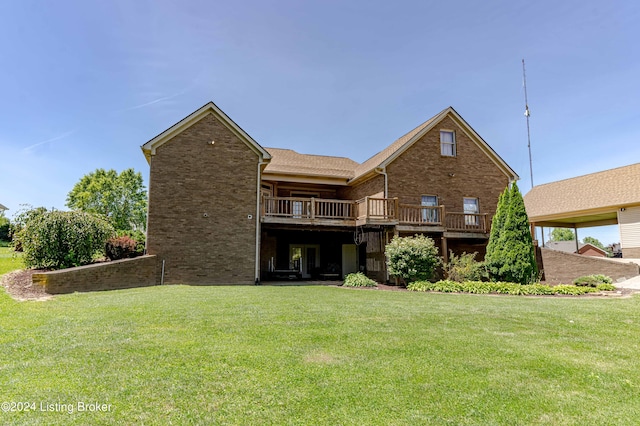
{"x": 313, "y": 208}
{"x": 445, "y": 252}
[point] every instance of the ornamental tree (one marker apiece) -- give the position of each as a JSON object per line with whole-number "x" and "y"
{"x": 516, "y": 253}
{"x": 493, "y": 258}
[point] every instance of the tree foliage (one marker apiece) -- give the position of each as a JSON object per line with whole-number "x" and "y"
{"x": 412, "y": 258}
{"x": 122, "y": 198}
{"x": 57, "y": 239}
{"x": 512, "y": 257}
{"x": 493, "y": 258}
{"x": 562, "y": 234}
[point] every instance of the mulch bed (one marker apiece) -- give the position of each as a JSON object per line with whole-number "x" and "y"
{"x": 19, "y": 286}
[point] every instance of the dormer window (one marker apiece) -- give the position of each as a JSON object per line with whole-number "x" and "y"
{"x": 447, "y": 143}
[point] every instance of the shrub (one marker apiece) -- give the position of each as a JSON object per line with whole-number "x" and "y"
{"x": 59, "y": 239}
{"x": 510, "y": 252}
{"x": 478, "y": 287}
{"x": 121, "y": 248}
{"x": 5, "y": 228}
{"x": 412, "y": 258}
{"x": 358, "y": 280}
{"x": 592, "y": 280}
{"x": 605, "y": 287}
{"x": 465, "y": 268}
{"x": 139, "y": 237}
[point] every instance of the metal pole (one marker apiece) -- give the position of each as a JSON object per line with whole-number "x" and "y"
{"x": 527, "y": 113}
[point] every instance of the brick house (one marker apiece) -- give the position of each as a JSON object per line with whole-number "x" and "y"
{"x": 224, "y": 210}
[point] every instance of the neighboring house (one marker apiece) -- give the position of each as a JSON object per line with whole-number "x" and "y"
{"x": 609, "y": 197}
{"x": 585, "y": 249}
{"x": 225, "y": 210}
{"x": 3, "y": 209}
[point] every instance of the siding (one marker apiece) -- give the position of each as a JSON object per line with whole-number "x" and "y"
{"x": 629, "y": 221}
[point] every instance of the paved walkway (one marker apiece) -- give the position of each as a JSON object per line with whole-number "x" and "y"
{"x": 633, "y": 283}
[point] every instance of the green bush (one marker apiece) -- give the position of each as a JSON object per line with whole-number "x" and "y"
{"x": 412, "y": 258}
{"x": 56, "y": 239}
{"x": 465, "y": 268}
{"x": 5, "y": 229}
{"x": 358, "y": 280}
{"x": 605, "y": 287}
{"x": 479, "y": 287}
{"x": 592, "y": 280}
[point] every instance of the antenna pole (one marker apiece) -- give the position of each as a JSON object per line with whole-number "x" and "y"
{"x": 527, "y": 113}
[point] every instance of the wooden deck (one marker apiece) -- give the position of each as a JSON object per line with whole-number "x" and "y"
{"x": 371, "y": 211}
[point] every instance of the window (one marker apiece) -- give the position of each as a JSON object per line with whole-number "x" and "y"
{"x": 447, "y": 143}
{"x": 471, "y": 209}
{"x": 430, "y": 212}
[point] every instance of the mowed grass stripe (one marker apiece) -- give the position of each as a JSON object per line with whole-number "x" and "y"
{"x": 322, "y": 355}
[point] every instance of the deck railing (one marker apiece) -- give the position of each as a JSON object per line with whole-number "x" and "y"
{"x": 421, "y": 215}
{"x": 377, "y": 208}
{"x": 307, "y": 208}
{"x": 476, "y": 222}
{"x": 371, "y": 210}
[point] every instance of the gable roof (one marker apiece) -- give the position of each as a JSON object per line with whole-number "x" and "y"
{"x": 287, "y": 161}
{"x": 607, "y": 190}
{"x": 3, "y": 208}
{"x": 150, "y": 147}
{"x": 570, "y": 247}
{"x": 393, "y": 151}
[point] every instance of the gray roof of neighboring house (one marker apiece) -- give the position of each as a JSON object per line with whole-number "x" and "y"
{"x": 569, "y": 246}
{"x": 566, "y": 246}
{"x": 3, "y": 207}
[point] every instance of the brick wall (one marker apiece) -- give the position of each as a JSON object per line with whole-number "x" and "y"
{"x": 561, "y": 267}
{"x": 422, "y": 170}
{"x": 369, "y": 187}
{"x": 632, "y": 253}
{"x": 200, "y": 199}
{"x": 127, "y": 273}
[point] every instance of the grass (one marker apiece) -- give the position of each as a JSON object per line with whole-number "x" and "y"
{"x": 9, "y": 260}
{"x": 321, "y": 355}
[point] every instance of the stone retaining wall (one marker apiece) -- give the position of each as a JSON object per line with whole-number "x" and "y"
{"x": 561, "y": 267}
{"x": 126, "y": 273}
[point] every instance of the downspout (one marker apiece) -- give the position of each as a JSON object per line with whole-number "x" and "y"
{"x": 258, "y": 191}
{"x": 383, "y": 171}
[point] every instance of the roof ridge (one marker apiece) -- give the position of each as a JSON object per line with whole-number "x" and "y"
{"x": 314, "y": 155}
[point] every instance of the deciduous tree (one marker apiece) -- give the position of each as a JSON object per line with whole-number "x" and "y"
{"x": 122, "y": 198}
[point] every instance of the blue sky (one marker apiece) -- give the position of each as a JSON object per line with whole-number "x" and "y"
{"x": 84, "y": 83}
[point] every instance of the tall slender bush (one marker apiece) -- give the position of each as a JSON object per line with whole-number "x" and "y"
{"x": 517, "y": 251}
{"x": 493, "y": 259}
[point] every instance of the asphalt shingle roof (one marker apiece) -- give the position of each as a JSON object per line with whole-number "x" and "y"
{"x": 609, "y": 188}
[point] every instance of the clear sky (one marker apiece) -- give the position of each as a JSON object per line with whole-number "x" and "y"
{"x": 83, "y": 84}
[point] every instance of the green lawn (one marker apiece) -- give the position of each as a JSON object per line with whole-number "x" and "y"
{"x": 321, "y": 355}
{"x": 9, "y": 260}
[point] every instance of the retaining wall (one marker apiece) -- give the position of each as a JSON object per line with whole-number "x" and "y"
{"x": 126, "y": 273}
{"x": 561, "y": 267}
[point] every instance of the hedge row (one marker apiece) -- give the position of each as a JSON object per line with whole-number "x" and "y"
{"x": 478, "y": 287}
